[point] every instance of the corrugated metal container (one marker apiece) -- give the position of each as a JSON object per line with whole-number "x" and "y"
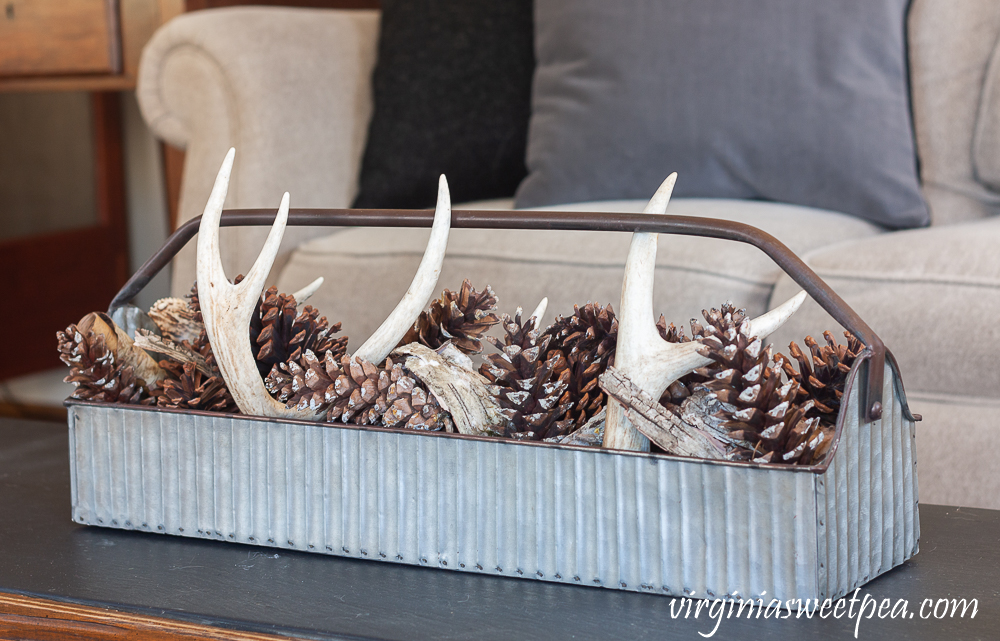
{"x": 586, "y": 516}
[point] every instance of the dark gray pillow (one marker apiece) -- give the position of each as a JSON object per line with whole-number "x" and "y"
{"x": 797, "y": 102}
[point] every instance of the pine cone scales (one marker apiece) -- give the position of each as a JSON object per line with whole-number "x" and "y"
{"x": 763, "y": 416}
{"x": 822, "y": 378}
{"x": 463, "y": 318}
{"x": 352, "y": 390}
{"x": 582, "y": 347}
{"x": 94, "y": 370}
{"x": 188, "y": 388}
{"x": 531, "y": 398}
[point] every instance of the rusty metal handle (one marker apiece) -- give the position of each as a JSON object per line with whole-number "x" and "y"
{"x": 550, "y": 220}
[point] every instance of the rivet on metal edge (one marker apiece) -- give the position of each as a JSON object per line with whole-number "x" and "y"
{"x": 479, "y": 567}
{"x": 312, "y": 547}
{"x": 114, "y": 522}
{"x": 597, "y": 581}
{"x": 346, "y": 551}
{"x": 399, "y": 557}
{"x": 128, "y": 523}
{"x": 363, "y": 552}
{"x": 232, "y": 536}
{"x": 381, "y": 554}
{"x": 423, "y": 560}
{"x": 461, "y": 565}
{"x": 623, "y": 584}
{"x": 689, "y": 591}
{"x": 180, "y": 529}
{"x": 444, "y": 563}
{"x": 576, "y": 578}
{"x": 290, "y": 543}
{"x": 270, "y": 540}
{"x": 520, "y": 572}
{"x": 145, "y": 525}
{"x": 710, "y": 594}
{"x": 329, "y": 548}
{"x": 558, "y": 576}
{"x": 250, "y": 538}
{"x": 499, "y": 569}
{"x": 540, "y": 575}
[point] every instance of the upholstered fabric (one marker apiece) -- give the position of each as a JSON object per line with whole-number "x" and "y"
{"x": 951, "y": 44}
{"x": 452, "y": 88}
{"x": 803, "y": 103}
{"x": 289, "y": 88}
{"x": 955, "y": 463}
{"x": 932, "y": 295}
{"x": 986, "y": 144}
{"x": 367, "y": 270}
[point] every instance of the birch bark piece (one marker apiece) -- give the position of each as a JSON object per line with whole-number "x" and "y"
{"x": 164, "y": 347}
{"x": 461, "y": 392}
{"x": 124, "y": 349}
{"x": 657, "y": 423}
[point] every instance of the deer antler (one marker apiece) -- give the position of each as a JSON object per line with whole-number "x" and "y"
{"x": 393, "y": 328}
{"x": 227, "y": 308}
{"x": 642, "y": 355}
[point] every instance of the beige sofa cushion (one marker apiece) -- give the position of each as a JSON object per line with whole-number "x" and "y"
{"x": 932, "y": 295}
{"x": 367, "y": 270}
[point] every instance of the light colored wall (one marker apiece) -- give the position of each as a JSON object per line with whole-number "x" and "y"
{"x": 146, "y": 198}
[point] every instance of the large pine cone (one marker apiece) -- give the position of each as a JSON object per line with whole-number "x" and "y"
{"x": 822, "y": 381}
{"x": 187, "y": 388}
{"x": 581, "y": 348}
{"x": 94, "y": 370}
{"x": 463, "y": 318}
{"x": 762, "y": 414}
{"x": 353, "y": 390}
{"x": 284, "y": 333}
{"x": 524, "y": 384}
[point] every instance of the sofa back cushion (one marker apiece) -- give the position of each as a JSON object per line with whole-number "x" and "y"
{"x": 803, "y": 103}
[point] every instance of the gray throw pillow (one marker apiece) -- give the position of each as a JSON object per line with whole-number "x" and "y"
{"x": 797, "y": 102}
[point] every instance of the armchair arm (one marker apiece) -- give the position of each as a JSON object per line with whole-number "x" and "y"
{"x": 289, "y": 88}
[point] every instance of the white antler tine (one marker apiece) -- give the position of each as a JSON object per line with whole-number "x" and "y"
{"x": 393, "y": 328}
{"x": 209, "y": 262}
{"x": 306, "y": 292}
{"x": 253, "y": 284}
{"x": 540, "y": 311}
{"x": 658, "y": 203}
{"x": 226, "y": 308}
{"x": 766, "y": 324}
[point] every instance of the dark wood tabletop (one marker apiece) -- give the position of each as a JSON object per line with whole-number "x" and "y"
{"x": 54, "y": 573}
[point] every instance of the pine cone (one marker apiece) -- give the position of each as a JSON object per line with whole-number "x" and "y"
{"x": 463, "y": 318}
{"x": 761, "y": 414}
{"x": 94, "y": 370}
{"x": 823, "y": 381}
{"x": 582, "y": 347}
{"x": 530, "y": 396}
{"x": 278, "y": 331}
{"x": 187, "y": 388}
{"x": 410, "y": 405}
{"x": 352, "y": 392}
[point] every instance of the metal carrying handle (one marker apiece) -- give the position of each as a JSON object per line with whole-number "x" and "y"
{"x": 549, "y": 220}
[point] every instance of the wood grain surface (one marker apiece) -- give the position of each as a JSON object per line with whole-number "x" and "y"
{"x": 59, "y": 37}
{"x": 27, "y": 617}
